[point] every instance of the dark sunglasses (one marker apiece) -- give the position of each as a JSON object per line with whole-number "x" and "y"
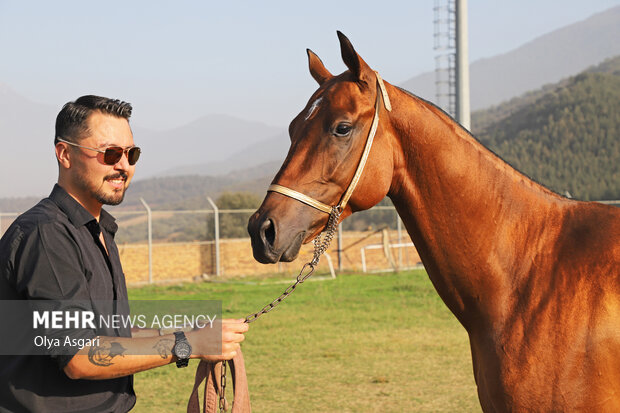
{"x": 112, "y": 154}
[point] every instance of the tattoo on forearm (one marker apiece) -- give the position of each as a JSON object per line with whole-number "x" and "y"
{"x": 164, "y": 347}
{"x": 103, "y": 354}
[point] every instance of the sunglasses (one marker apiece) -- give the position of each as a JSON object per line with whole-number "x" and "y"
{"x": 112, "y": 154}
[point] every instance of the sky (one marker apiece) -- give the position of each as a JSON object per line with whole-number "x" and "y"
{"x": 178, "y": 61}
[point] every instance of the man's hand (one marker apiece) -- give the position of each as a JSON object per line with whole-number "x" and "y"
{"x": 202, "y": 340}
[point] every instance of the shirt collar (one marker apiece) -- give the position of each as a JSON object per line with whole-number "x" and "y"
{"x": 108, "y": 222}
{"x": 77, "y": 214}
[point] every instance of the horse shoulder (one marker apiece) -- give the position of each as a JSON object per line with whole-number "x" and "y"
{"x": 590, "y": 240}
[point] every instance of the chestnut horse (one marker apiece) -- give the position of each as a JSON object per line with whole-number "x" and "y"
{"x": 533, "y": 277}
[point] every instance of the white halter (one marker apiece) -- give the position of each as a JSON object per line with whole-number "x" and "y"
{"x": 360, "y": 167}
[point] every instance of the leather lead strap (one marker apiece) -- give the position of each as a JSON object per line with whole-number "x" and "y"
{"x": 211, "y": 373}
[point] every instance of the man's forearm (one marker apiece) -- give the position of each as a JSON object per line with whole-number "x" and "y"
{"x": 120, "y": 356}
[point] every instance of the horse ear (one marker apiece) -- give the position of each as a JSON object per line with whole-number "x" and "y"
{"x": 317, "y": 69}
{"x": 354, "y": 62}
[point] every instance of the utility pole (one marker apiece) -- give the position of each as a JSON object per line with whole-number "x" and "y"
{"x": 452, "y": 59}
{"x": 463, "y": 115}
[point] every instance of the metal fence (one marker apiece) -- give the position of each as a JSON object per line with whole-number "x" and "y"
{"x": 158, "y": 246}
{"x": 214, "y": 243}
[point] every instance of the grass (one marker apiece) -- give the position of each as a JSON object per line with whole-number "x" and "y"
{"x": 359, "y": 343}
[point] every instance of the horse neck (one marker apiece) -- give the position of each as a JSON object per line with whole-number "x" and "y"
{"x": 476, "y": 222}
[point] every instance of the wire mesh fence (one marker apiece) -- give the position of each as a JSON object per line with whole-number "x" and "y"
{"x": 178, "y": 245}
{"x": 198, "y": 244}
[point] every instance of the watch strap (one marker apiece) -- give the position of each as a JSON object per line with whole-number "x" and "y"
{"x": 179, "y": 337}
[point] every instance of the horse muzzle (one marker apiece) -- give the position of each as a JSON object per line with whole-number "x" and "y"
{"x": 271, "y": 242}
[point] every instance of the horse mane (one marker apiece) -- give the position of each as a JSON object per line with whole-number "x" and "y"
{"x": 505, "y": 164}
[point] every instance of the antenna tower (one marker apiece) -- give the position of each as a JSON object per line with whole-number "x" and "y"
{"x": 452, "y": 59}
{"x": 445, "y": 58}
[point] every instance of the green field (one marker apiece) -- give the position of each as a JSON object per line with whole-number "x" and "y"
{"x": 358, "y": 343}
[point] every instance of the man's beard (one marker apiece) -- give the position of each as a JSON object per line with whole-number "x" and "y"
{"x": 113, "y": 199}
{"x": 100, "y": 195}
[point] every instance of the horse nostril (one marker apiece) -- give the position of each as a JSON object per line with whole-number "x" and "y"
{"x": 268, "y": 232}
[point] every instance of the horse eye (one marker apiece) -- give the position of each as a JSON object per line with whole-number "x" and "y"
{"x": 342, "y": 129}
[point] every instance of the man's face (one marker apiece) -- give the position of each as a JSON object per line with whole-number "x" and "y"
{"x": 96, "y": 181}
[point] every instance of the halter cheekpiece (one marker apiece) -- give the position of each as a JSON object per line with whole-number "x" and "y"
{"x": 360, "y": 167}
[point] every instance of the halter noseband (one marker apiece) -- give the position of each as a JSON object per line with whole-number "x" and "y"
{"x": 360, "y": 167}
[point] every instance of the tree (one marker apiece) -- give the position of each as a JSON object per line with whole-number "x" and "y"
{"x": 234, "y": 224}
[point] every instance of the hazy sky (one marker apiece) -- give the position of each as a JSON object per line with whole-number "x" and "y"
{"x": 177, "y": 61}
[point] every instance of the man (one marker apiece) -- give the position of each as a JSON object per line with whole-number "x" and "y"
{"x": 64, "y": 249}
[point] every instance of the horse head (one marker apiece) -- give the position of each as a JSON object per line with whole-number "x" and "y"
{"x": 328, "y": 139}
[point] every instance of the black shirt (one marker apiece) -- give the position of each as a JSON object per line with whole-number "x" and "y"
{"x": 53, "y": 252}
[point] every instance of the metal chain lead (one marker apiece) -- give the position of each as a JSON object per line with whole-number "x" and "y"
{"x": 223, "y": 388}
{"x": 332, "y": 225}
{"x": 321, "y": 243}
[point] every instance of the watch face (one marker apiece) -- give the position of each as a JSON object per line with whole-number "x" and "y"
{"x": 182, "y": 350}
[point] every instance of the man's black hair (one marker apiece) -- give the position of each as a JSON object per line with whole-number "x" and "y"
{"x": 71, "y": 120}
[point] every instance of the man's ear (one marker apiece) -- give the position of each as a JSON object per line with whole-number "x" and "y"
{"x": 63, "y": 155}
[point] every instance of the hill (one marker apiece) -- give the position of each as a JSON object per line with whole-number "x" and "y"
{"x": 546, "y": 59}
{"x": 542, "y": 61}
{"x": 565, "y": 136}
{"x": 27, "y": 130}
{"x": 253, "y": 156}
{"x": 219, "y": 144}
{"x": 482, "y": 119}
{"x": 205, "y": 141}
{"x": 191, "y": 191}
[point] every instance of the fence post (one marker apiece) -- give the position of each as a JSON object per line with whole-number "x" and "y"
{"x": 340, "y": 247}
{"x": 399, "y": 227}
{"x": 216, "y": 222}
{"x": 149, "y": 219}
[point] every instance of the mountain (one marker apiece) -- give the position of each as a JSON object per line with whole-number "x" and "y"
{"x": 217, "y": 145}
{"x": 271, "y": 149}
{"x": 171, "y": 191}
{"x": 566, "y": 137}
{"x": 482, "y": 119}
{"x": 205, "y": 140}
{"x": 546, "y": 59}
{"x": 27, "y": 131}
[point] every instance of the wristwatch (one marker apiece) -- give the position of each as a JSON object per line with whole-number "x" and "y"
{"x": 182, "y": 349}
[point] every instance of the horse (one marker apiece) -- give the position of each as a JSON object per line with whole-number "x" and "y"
{"x": 533, "y": 277}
